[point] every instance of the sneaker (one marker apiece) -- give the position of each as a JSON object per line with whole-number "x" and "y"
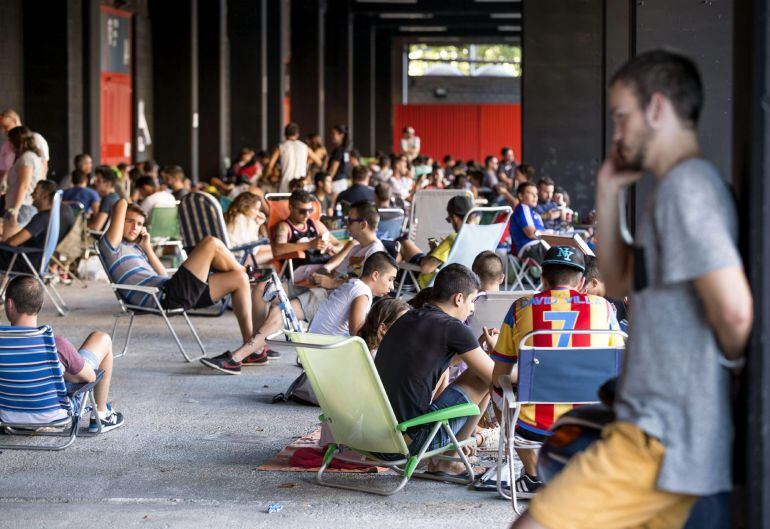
{"x": 527, "y": 487}
{"x": 114, "y": 419}
{"x": 255, "y": 359}
{"x": 273, "y": 354}
{"x": 223, "y": 363}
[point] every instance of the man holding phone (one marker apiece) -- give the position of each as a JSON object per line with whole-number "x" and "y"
{"x": 127, "y": 250}
{"x": 667, "y": 445}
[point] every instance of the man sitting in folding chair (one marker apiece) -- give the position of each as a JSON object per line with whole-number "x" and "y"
{"x": 527, "y": 225}
{"x": 457, "y": 208}
{"x": 416, "y": 351}
{"x": 130, "y": 259}
{"x": 33, "y": 235}
{"x": 560, "y": 306}
{"x": 23, "y": 302}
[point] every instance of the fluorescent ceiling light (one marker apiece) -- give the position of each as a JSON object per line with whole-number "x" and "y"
{"x": 418, "y": 29}
{"x": 505, "y": 15}
{"x": 508, "y": 28}
{"x": 413, "y": 16}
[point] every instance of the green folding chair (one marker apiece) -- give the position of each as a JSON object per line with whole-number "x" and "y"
{"x": 163, "y": 228}
{"x": 359, "y": 414}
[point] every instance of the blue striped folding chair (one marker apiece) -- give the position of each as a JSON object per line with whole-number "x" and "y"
{"x": 200, "y": 215}
{"x": 34, "y": 399}
{"x": 122, "y": 291}
{"x": 553, "y": 375}
{"x": 39, "y": 272}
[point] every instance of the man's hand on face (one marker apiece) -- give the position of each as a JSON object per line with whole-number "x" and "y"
{"x": 612, "y": 176}
{"x": 144, "y": 240}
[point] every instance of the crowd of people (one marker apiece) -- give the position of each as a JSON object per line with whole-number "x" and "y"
{"x": 685, "y": 274}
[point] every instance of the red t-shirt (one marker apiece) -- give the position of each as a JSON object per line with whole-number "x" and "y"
{"x": 68, "y": 355}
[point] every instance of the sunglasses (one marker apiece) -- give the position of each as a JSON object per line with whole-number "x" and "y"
{"x": 351, "y": 219}
{"x": 304, "y": 211}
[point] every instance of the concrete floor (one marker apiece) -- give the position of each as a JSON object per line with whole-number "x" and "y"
{"x": 193, "y": 438}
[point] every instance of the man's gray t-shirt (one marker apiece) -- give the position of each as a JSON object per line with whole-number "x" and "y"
{"x": 673, "y": 386}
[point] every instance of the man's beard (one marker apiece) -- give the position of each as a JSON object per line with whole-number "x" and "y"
{"x": 636, "y": 163}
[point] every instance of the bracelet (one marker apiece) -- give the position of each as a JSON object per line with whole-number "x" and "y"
{"x": 732, "y": 364}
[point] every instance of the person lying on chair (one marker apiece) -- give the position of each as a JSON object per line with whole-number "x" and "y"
{"x": 23, "y": 302}
{"x": 210, "y": 272}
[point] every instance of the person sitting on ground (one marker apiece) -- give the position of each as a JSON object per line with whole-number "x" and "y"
{"x": 151, "y": 195}
{"x": 360, "y": 190}
{"x": 130, "y": 259}
{"x": 33, "y": 235}
{"x": 175, "y": 180}
{"x": 245, "y": 222}
{"x": 323, "y": 192}
{"x": 381, "y": 317}
{"x": 80, "y": 192}
{"x": 457, "y": 208}
{"x": 300, "y": 233}
{"x": 23, "y": 302}
{"x": 417, "y": 350}
{"x": 105, "y": 183}
{"x": 344, "y": 311}
{"x": 526, "y": 226}
{"x": 560, "y": 305}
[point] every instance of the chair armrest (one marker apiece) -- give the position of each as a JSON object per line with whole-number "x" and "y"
{"x": 95, "y": 233}
{"x": 290, "y": 255}
{"x": 249, "y": 245}
{"x": 86, "y": 387}
{"x": 507, "y": 387}
{"x": 409, "y": 266}
{"x": 135, "y": 288}
{"x": 453, "y": 412}
{"x": 19, "y": 249}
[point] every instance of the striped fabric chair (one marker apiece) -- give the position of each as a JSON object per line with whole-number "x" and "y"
{"x": 33, "y": 395}
{"x": 200, "y": 215}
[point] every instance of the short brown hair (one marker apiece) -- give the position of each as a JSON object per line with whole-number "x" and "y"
{"x": 26, "y": 293}
{"x": 136, "y": 209}
{"x": 488, "y": 266}
{"x": 367, "y": 211}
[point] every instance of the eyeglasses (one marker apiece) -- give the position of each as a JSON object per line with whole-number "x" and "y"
{"x": 351, "y": 219}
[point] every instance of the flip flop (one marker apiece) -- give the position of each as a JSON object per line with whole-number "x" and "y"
{"x": 449, "y": 476}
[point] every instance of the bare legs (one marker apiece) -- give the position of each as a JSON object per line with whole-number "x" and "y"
{"x": 273, "y": 323}
{"x": 100, "y": 344}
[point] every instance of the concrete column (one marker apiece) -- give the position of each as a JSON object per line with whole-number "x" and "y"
{"x": 383, "y": 122}
{"x": 307, "y": 65}
{"x": 338, "y": 67}
{"x": 277, "y": 55}
{"x": 363, "y": 84}
{"x": 175, "y": 83}
{"x": 213, "y": 81}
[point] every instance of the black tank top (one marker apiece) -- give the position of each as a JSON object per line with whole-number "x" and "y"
{"x": 312, "y": 256}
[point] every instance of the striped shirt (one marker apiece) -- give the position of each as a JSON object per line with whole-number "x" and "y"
{"x": 553, "y": 309}
{"x": 128, "y": 264}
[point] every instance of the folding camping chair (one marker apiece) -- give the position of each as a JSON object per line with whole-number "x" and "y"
{"x": 278, "y": 207}
{"x": 518, "y": 273}
{"x": 491, "y": 308}
{"x": 471, "y": 240}
{"x": 359, "y": 413}
{"x": 391, "y": 223}
{"x": 553, "y": 375}
{"x": 426, "y": 218}
{"x": 32, "y": 382}
{"x": 163, "y": 228}
{"x": 40, "y": 273}
{"x": 127, "y": 309}
{"x": 200, "y": 215}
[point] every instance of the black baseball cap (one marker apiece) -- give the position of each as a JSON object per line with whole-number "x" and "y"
{"x": 459, "y": 205}
{"x": 565, "y": 256}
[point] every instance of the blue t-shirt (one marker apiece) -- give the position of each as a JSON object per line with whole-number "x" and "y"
{"x": 523, "y": 216}
{"x": 84, "y": 195}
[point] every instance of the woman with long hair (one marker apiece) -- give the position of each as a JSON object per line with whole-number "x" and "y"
{"x": 245, "y": 222}
{"x": 23, "y": 176}
{"x": 382, "y": 315}
{"x": 340, "y": 158}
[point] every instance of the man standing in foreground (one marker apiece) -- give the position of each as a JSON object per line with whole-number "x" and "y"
{"x": 692, "y": 316}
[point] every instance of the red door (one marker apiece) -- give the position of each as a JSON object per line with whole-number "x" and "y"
{"x": 115, "y": 86}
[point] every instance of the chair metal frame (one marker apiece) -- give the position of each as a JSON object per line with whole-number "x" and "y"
{"x": 130, "y": 311}
{"x": 67, "y": 427}
{"x": 407, "y": 464}
{"x": 512, "y": 407}
{"x": 41, "y": 273}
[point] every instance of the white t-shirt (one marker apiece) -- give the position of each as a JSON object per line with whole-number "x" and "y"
{"x": 7, "y": 156}
{"x": 333, "y": 315}
{"x": 354, "y": 261}
{"x": 411, "y": 143}
{"x": 243, "y": 230}
{"x": 28, "y": 159}
{"x": 293, "y": 162}
{"x": 159, "y": 198}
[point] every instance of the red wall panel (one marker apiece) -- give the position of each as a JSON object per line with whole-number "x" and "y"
{"x": 464, "y": 131}
{"x": 115, "y": 118}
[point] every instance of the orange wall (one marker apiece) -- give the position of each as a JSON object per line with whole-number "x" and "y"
{"x": 464, "y": 131}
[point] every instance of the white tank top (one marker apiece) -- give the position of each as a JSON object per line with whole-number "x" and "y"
{"x": 293, "y": 162}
